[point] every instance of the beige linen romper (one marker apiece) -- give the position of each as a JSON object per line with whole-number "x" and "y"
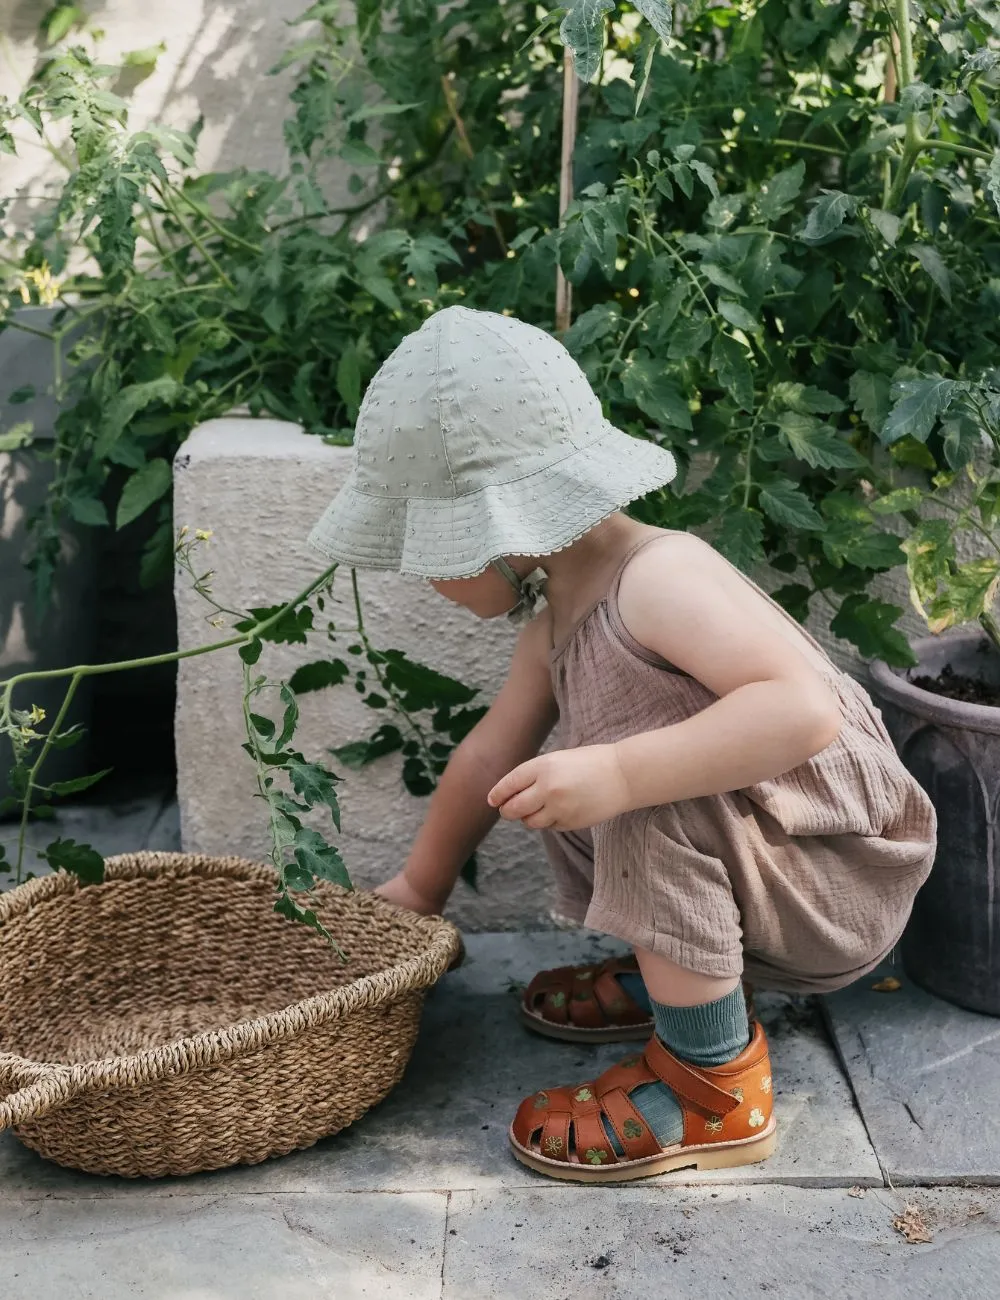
{"x": 802, "y": 883}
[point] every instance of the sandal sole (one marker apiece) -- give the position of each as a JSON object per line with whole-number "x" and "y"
{"x": 717, "y": 1155}
{"x": 575, "y": 1034}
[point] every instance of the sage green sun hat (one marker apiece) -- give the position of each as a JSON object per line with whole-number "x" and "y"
{"x": 479, "y": 438}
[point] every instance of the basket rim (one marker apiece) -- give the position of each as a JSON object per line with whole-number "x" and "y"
{"x": 217, "y": 1046}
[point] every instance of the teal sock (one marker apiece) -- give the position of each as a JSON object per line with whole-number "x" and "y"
{"x": 635, "y": 986}
{"x": 709, "y": 1034}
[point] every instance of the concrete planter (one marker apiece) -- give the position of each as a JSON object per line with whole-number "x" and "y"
{"x": 952, "y": 944}
{"x": 64, "y": 632}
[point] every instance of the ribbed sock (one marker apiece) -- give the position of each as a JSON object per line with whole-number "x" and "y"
{"x": 709, "y": 1034}
{"x": 635, "y": 986}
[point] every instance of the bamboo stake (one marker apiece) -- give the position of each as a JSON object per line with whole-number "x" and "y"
{"x": 571, "y": 100}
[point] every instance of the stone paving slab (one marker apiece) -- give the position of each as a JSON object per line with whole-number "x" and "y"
{"x": 235, "y": 1248}
{"x": 927, "y": 1079}
{"x": 650, "y": 1242}
{"x": 445, "y": 1126}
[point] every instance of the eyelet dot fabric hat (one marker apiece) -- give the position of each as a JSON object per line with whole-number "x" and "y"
{"x": 480, "y": 437}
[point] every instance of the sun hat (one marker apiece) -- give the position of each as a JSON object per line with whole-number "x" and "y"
{"x": 480, "y": 438}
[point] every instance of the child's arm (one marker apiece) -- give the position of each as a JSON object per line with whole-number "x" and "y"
{"x": 458, "y": 818}
{"x": 682, "y": 601}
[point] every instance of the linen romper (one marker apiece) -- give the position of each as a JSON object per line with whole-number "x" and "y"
{"x": 801, "y": 884}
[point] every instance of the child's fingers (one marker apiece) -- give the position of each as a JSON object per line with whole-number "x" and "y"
{"x": 526, "y": 804}
{"x": 539, "y": 821}
{"x": 513, "y": 783}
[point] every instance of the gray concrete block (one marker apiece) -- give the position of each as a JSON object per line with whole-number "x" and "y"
{"x": 239, "y": 1248}
{"x": 445, "y": 1125}
{"x": 925, "y": 1075}
{"x": 649, "y": 1242}
{"x": 260, "y": 485}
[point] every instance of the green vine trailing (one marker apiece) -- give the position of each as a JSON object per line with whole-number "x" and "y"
{"x": 289, "y": 785}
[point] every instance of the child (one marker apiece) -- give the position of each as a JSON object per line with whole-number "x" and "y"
{"x": 723, "y": 799}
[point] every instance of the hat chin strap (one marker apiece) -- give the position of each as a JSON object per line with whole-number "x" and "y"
{"x": 530, "y": 591}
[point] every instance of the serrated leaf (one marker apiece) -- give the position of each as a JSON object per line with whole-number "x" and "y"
{"x": 815, "y": 443}
{"x": 721, "y": 278}
{"x": 143, "y": 488}
{"x": 582, "y": 29}
{"x": 644, "y": 382}
{"x": 782, "y": 501}
{"x": 349, "y": 380}
{"x": 968, "y": 590}
{"x": 804, "y": 398}
{"x": 737, "y": 315}
{"x": 126, "y": 404}
{"x": 250, "y": 652}
{"x": 740, "y": 539}
{"x": 290, "y": 629}
{"x": 592, "y": 325}
{"x": 77, "y": 783}
{"x": 962, "y": 438}
{"x": 870, "y": 626}
{"x": 898, "y": 501}
{"x": 83, "y": 861}
{"x": 359, "y": 753}
{"x": 828, "y": 214}
{"x": 322, "y": 860}
{"x": 729, "y": 361}
{"x": 313, "y": 783}
{"x": 291, "y": 716}
{"x": 319, "y": 675}
{"x": 933, "y": 263}
{"x": 917, "y": 406}
{"x": 263, "y": 726}
{"x": 778, "y": 194}
{"x": 980, "y": 104}
{"x": 287, "y": 907}
{"x": 887, "y": 224}
{"x": 422, "y": 687}
{"x": 870, "y": 396}
{"x": 358, "y": 154}
{"x": 992, "y": 184}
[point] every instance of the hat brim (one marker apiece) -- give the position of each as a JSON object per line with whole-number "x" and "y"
{"x": 459, "y": 537}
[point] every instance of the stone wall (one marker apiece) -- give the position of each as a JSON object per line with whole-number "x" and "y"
{"x": 259, "y": 485}
{"x": 215, "y": 65}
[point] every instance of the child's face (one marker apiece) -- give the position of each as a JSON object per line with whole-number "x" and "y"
{"x": 488, "y": 596}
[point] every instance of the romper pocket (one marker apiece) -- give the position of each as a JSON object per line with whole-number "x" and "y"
{"x": 694, "y": 913}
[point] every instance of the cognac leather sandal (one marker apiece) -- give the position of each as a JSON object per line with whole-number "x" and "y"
{"x": 586, "y": 1004}
{"x": 726, "y": 1109}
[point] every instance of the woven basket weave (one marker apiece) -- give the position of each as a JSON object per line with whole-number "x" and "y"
{"x": 168, "y": 1021}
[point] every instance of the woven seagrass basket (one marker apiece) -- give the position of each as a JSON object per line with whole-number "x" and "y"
{"x": 168, "y": 1021}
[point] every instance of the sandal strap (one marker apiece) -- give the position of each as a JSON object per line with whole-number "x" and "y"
{"x": 589, "y": 997}
{"x": 687, "y": 1082}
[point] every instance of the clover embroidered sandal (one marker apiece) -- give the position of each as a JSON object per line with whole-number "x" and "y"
{"x": 726, "y": 1109}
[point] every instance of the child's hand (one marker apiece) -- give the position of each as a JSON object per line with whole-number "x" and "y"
{"x": 564, "y": 791}
{"x": 398, "y": 890}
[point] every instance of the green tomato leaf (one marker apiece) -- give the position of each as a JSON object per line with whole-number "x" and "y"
{"x": 313, "y": 783}
{"x": 78, "y": 783}
{"x": 817, "y": 444}
{"x": 320, "y": 859}
{"x": 288, "y": 908}
{"x": 933, "y": 263}
{"x": 870, "y": 396}
{"x": 317, "y": 676}
{"x": 827, "y": 215}
{"x": 126, "y": 404}
{"x": 732, "y": 369}
{"x": 894, "y": 503}
{"x": 737, "y": 315}
{"x": 741, "y": 538}
{"x": 870, "y": 626}
{"x": 644, "y": 382}
{"x": 782, "y": 502}
{"x": 777, "y": 195}
{"x": 84, "y": 862}
{"x": 349, "y": 380}
{"x": 250, "y": 652}
{"x": 146, "y": 486}
{"x": 918, "y": 404}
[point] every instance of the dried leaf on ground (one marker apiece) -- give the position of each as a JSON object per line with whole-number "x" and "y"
{"x": 910, "y": 1224}
{"x": 857, "y": 1192}
{"x": 889, "y": 985}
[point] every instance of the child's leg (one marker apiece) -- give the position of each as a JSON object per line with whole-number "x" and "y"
{"x": 701, "y": 1019}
